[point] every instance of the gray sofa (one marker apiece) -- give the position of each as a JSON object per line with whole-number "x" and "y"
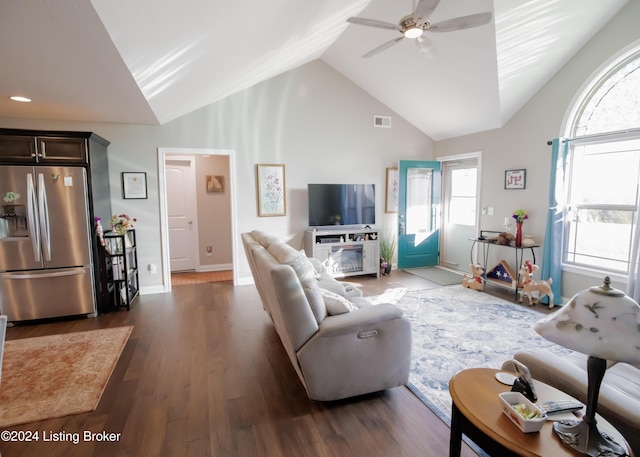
{"x": 338, "y": 342}
{"x": 619, "y": 400}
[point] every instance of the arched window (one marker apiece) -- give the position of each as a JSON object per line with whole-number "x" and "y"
{"x": 604, "y": 170}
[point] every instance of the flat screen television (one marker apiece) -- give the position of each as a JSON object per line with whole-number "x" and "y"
{"x": 341, "y": 204}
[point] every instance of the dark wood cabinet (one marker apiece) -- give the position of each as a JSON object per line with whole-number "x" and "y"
{"x": 46, "y": 147}
{"x": 17, "y": 148}
{"x": 61, "y": 150}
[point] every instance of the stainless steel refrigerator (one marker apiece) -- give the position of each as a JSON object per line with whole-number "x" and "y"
{"x": 45, "y": 243}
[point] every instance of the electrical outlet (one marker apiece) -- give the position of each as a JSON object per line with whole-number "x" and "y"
{"x": 209, "y": 250}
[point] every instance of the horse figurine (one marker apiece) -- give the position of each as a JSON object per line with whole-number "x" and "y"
{"x": 529, "y": 285}
{"x": 475, "y": 282}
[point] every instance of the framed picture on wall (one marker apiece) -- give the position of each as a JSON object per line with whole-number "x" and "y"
{"x": 271, "y": 190}
{"x": 215, "y": 184}
{"x": 134, "y": 185}
{"x": 515, "y": 179}
{"x": 391, "y": 195}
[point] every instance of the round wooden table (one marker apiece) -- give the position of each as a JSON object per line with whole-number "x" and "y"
{"x": 477, "y": 413}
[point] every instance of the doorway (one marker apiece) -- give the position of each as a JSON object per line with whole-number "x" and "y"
{"x": 460, "y": 189}
{"x": 182, "y": 217}
{"x": 418, "y": 213}
{"x": 230, "y": 187}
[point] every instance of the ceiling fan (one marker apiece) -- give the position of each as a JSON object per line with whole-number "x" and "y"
{"x": 416, "y": 23}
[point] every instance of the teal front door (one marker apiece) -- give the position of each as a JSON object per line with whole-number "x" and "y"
{"x": 418, "y": 213}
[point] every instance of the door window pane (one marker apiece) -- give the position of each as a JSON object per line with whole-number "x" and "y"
{"x": 462, "y": 202}
{"x": 419, "y": 200}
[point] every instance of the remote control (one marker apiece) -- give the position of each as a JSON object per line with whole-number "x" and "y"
{"x": 557, "y": 406}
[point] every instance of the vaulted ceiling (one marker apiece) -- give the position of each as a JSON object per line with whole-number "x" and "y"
{"x": 152, "y": 61}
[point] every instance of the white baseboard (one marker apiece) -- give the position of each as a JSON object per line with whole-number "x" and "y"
{"x": 153, "y": 290}
{"x": 218, "y": 267}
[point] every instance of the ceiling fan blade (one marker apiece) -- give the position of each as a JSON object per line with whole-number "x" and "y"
{"x": 424, "y": 9}
{"x": 382, "y": 47}
{"x": 373, "y": 23}
{"x": 460, "y": 23}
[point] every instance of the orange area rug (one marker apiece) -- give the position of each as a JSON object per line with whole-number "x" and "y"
{"x": 57, "y": 375}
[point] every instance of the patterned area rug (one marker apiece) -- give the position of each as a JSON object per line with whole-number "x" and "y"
{"x": 456, "y": 328}
{"x": 57, "y": 375}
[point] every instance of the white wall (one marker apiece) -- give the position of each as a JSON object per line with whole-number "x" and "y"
{"x": 522, "y": 142}
{"x": 312, "y": 119}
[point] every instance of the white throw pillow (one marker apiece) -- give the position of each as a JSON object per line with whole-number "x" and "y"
{"x": 329, "y": 283}
{"x": 336, "y": 304}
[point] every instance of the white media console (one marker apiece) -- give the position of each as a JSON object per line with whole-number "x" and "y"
{"x": 345, "y": 252}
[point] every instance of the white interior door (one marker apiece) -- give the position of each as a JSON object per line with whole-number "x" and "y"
{"x": 460, "y": 212}
{"x": 181, "y": 212}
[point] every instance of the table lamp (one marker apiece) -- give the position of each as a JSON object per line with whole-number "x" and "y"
{"x": 603, "y": 323}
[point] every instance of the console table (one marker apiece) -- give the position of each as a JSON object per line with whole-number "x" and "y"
{"x": 518, "y": 253}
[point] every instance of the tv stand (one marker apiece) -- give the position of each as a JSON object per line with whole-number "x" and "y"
{"x": 345, "y": 252}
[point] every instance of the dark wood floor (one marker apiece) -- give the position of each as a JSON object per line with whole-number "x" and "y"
{"x": 204, "y": 374}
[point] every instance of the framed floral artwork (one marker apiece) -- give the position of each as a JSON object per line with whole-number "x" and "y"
{"x": 391, "y": 196}
{"x": 271, "y": 190}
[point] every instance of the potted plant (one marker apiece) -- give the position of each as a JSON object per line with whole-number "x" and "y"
{"x": 387, "y": 249}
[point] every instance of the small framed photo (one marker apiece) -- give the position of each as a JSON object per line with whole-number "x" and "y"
{"x": 215, "y": 184}
{"x": 391, "y": 196}
{"x": 515, "y": 179}
{"x": 271, "y": 190}
{"x": 134, "y": 185}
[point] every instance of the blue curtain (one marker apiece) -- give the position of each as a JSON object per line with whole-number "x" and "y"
{"x": 552, "y": 246}
{"x": 633, "y": 282}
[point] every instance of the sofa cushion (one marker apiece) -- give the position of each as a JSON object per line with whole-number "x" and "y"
{"x": 360, "y": 302}
{"x": 336, "y": 303}
{"x": 327, "y": 282}
{"x": 283, "y": 253}
{"x": 264, "y": 238}
{"x": 286, "y": 255}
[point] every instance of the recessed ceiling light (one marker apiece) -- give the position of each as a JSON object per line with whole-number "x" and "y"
{"x": 17, "y": 98}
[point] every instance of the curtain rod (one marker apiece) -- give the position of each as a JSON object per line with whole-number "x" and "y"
{"x": 599, "y": 135}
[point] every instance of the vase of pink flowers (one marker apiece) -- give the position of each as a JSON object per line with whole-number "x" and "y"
{"x": 121, "y": 223}
{"x": 519, "y": 215}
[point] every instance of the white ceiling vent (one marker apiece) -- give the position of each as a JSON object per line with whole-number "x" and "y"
{"x": 382, "y": 121}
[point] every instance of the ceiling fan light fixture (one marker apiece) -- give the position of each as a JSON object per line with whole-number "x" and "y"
{"x": 413, "y": 31}
{"x": 18, "y": 98}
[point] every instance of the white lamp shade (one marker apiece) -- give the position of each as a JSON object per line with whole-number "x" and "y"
{"x": 601, "y": 322}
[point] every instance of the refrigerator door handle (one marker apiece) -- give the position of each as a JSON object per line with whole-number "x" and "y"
{"x": 34, "y": 233}
{"x": 55, "y": 274}
{"x": 44, "y": 217}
